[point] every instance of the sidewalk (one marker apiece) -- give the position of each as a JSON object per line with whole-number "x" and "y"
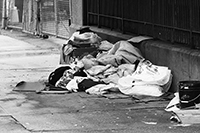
{"x": 22, "y": 57}
{"x": 27, "y": 58}
{"x": 39, "y": 43}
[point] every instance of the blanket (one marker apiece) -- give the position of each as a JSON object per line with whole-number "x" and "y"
{"x": 121, "y": 66}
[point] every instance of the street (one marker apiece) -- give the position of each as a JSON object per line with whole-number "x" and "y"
{"x": 28, "y": 58}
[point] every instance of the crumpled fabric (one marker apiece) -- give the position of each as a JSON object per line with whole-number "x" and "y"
{"x": 114, "y": 60}
{"x": 67, "y": 50}
{"x": 69, "y": 75}
{"x": 126, "y": 69}
{"x": 87, "y": 37}
{"x": 101, "y": 72}
{"x": 65, "y": 79}
{"x": 88, "y": 62}
{"x": 145, "y": 89}
{"x": 120, "y": 71}
{"x": 87, "y": 83}
{"x": 110, "y": 74}
{"x": 151, "y": 74}
{"x": 77, "y": 40}
{"x": 72, "y": 85}
{"x": 122, "y": 52}
{"x": 105, "y": 45}
{"x": 113, "y": 78}
{"x": 148, "y": 80}
{"x": 101, "y": 89}
{"x": 98, "y": 69}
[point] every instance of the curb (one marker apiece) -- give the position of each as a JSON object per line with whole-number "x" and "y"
{"x": 28, "y": 53}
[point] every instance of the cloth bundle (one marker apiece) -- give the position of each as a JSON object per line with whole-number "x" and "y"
{"x": 148, "y": 79}
{"x": 120, "y": 65}
{"x": 81, "y": 42}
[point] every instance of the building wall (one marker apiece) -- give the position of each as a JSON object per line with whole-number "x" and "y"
{"x": 29, "y": 15}
{"x": 169, "y": 20}
{"x": 1, "y": 8}
{"x": 184, "y": 62}
{"x": 76, "y": 14}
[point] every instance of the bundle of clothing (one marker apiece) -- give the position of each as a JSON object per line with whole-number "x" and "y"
{"x": 115, "y": 67}
{"x": 83, "y": 41}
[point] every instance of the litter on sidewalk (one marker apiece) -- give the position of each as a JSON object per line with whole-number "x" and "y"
{"x": 99, "y": 67}
{"x": 185, "y": 105}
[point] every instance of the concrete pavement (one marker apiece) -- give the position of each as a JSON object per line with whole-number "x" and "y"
{"x": 27, "y": 58}
{"x": 22, "y": 57}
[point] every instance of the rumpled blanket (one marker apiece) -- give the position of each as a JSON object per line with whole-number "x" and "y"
{"x": 118, "y": 65}
{"x": 110, "y": 74}
{"x": 122, "y": 52}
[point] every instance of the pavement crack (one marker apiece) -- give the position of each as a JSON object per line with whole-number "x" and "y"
{"x": 17, "y": 122}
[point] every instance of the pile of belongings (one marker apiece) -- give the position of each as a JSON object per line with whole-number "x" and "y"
{"x": 118, "y": 67}
{"x": 83, "y": 41}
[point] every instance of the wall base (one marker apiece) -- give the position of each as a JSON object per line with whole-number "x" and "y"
{"x": 184, "y": 62}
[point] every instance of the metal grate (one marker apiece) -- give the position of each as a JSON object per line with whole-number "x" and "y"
{"x": 55, "y": 17}
{"x": 48, "y": 16}
{"x": 171, "y": 20}
{"x": 63, "y": 14}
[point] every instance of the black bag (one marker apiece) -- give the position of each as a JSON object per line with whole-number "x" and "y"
{"x": 189, "y": 93}
{"x": 87, "y": 83}
{"x": 57, "y": 74}
{"x": 84, "y": 29}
